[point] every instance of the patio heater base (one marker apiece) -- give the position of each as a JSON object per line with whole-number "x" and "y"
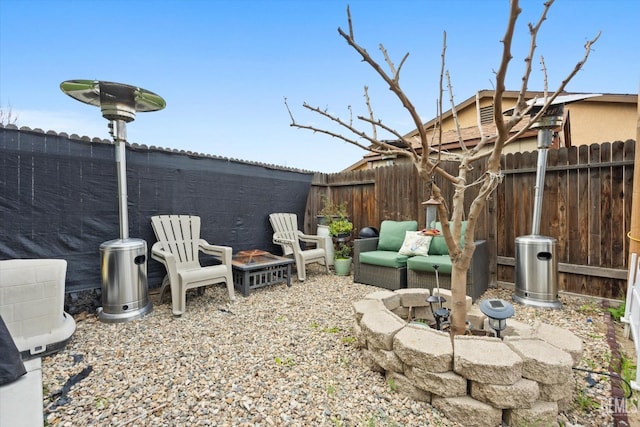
{"x": 124, "y": 281}
{"x": 536, "y": 272}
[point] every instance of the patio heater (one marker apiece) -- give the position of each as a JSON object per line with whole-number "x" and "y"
{"x": 124, "y": 260}
{"x": 536, "y": 268}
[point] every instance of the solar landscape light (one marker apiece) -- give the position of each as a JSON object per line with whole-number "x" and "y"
{"x": 498, "y": 311}
{"x": 440, "y": 314}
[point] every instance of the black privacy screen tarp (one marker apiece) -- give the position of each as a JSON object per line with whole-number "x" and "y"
{"x": 59, "y": 199}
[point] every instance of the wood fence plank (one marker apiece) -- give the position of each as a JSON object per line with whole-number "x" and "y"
{"x": 512, "y": 203}
{"x": 573, "y": 223}
{"x": 549, "y": 226}
{"x": 560, "y": 213}
{"x": 605, "y": 216}
{"x": 594, "y": 207}
{"x": 617, "y": 205}
{"x": 583, "y": 206}
{"x": 605, "y": 206}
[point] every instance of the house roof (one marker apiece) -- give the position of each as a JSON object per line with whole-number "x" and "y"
{"x": 471, "y": 135}
{"x": 510, "y": 94}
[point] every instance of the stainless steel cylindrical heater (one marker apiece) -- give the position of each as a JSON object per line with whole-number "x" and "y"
{"x": 124, "y": 260}
{"x": 536, "y": 270}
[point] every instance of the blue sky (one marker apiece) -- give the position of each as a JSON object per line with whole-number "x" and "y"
{"x": 224, "y": 67}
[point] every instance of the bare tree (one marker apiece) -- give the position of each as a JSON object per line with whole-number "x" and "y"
{"x": 426, "y": 156}
{"x": 7, "y": 116}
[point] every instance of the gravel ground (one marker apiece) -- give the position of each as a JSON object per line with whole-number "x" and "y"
{"x": 280, "y": 357}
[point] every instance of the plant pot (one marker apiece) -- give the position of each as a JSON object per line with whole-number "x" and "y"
{"x": 341, "y": 237}
{"x": 342, "y": 266}
{"x": 324, "y": 220}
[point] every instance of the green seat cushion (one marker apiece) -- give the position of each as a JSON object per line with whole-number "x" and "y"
{"x": 426, "y": 263}
{"x": 384, "y": 259}
{"x": 392, "y": 234}
{"x": 439, "y": 245}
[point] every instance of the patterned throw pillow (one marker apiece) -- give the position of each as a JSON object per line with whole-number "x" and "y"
{"x": 415, "y": 243}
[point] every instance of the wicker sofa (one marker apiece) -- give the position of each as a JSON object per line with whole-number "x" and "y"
{"x": 421, "y": 274}
{"x": 376, "y": 260}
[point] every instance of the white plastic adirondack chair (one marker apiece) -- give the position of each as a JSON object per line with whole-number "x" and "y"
{"x": 177, "y": 248}
{"x": 287, "y": 235}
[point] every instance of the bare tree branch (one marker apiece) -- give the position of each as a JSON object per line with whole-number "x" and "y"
{"x": 427, "y": 160}
{"x": 454, "y": 114}
{"x": 374, "y": 129}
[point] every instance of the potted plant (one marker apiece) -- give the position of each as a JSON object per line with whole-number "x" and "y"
{"x": 342, "y": 259}
{"x": 331, "y": 211}
{"x": 340, "y": 229}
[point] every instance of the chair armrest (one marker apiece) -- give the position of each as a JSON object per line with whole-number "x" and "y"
{"x": 359, "y": 246}
{"x": 319, "y": 241}
{"x": 161, "y": 255}
{"x": 281, "y": 238}
{"x": 167, "y": 259}
{"x": 311, "y": 238}
{"x": 364, "y": 245}
{"x": 224, "y": 253}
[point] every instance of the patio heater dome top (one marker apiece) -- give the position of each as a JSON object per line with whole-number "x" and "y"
{"x": 117, "y": 101}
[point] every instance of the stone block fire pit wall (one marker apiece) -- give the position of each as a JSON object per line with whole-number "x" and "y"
{"x": 523, "y": 379}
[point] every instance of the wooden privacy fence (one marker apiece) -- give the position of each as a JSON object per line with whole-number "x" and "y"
{"x": 586, "y": 207}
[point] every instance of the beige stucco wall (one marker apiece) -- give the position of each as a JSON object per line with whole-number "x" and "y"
{"x": 607, "y": 118}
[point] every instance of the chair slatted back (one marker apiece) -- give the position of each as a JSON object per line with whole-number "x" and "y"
{"x": 287, "y": 225}
{"x": 180, "y": 235}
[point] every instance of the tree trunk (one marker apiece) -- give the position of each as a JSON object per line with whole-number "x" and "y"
{"x": 458, "y": 299}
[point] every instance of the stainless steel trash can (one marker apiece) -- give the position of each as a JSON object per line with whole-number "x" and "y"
{"x": 536, "y": 271}
{"x": 124, "y": 280}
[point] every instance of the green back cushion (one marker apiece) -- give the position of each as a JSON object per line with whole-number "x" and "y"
{"x": 392, "y": 234}
{"x": 438, "y": 244}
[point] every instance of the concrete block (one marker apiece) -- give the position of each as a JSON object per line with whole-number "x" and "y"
{"x": 486, "y": 360}
{"x": 468, "y": 412}
{"x": 443, "y": 384}
{"x": 521, "y": 394}
{"x": 542, "y": 362}
{"x": 390, "y": 299}
{"x": 380, "y": 327}
{"x": 541, "y": 414}
{"x": 424, "y": 348}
